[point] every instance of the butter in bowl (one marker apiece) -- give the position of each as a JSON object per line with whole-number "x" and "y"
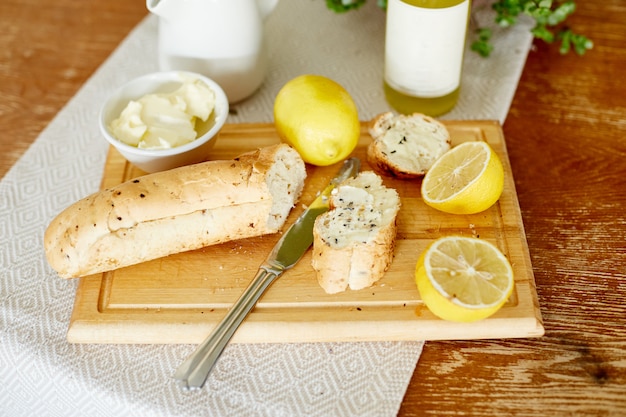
{"x": 164, "y": 120}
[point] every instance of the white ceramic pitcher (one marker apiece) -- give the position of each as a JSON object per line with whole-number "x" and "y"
{"x": 222, "y": 39}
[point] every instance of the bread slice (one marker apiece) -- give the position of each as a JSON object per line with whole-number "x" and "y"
{"x": 177, "y": 210}
{"x": 406, "y": 146}
{"x": 353, "y": 242}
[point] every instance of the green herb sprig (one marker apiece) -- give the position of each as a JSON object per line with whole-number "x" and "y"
{"x": 549, "y": 17}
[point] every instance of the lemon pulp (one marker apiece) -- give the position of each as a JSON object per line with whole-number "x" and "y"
{"x": 467, "y": 179}
{"x": 463, "y": 279}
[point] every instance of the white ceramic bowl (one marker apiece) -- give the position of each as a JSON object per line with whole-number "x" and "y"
{"x": 153, "y": 160}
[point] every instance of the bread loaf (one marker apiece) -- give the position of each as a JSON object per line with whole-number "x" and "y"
{"x": 177, "y": 210}
{"x": 353, "y": 242}
{"x": 406, "y": 146}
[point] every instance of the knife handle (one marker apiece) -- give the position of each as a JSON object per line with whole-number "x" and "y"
{"x": 194, "y": 372}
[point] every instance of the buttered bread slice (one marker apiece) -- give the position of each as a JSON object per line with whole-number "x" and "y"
{"x": 406, "y": 146}
{"x": 353, "y": 242}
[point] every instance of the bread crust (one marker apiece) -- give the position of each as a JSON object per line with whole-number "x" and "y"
{"x": 356, "y": 266}
{"x": 172, "y": 211}
{"x": 406, "y": 146}
{"x": 363, "y": 257}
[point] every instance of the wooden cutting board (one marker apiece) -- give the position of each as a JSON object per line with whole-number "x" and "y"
{"x": 179, "y": 299}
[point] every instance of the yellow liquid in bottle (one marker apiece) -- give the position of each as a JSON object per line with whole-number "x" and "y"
{"x": 431, "y": 105}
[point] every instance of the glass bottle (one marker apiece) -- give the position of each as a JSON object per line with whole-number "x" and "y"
{"x": 424, "y": 44}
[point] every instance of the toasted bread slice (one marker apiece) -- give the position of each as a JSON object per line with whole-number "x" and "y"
{"x": 406, "y": 146}
{"x": 353, "y": 242}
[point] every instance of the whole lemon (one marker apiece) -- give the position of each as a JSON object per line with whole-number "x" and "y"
{"x": 318, "y": 117}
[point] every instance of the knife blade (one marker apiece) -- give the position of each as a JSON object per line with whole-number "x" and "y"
{"x": 194, "y": 371}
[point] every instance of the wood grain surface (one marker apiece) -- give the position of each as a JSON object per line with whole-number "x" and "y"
{"x": 566, "y": 136}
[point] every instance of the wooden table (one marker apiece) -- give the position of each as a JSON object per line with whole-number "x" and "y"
{"x": 566, "y": 137}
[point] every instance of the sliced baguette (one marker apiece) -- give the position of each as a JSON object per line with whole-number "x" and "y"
{"x": 353, "y": 242}
{"x": 177, "y": 210}
{"x": 406, "y": 146}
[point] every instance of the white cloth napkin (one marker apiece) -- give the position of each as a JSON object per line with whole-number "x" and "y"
{"x": 41, "y": 374}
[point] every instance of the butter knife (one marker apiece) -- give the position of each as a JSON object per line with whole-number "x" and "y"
{"x": 194, "y": 371}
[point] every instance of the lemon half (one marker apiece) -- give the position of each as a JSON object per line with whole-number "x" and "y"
{"x": 318, "y": 117}
{"x": 463, "y": 279}
{"x": 467, "y": 179}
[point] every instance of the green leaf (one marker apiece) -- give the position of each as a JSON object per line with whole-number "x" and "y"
{"x": 507, "y": 12}
{"x": 482, "y": 46}
{"x": 341, "y": 6}
{"x": 541, "y": 32}
{"x": 568, "y": 39}
{"x": 561, "y": 13}
{"x": 545, "y": 4}
{"x": 484, "y": 34}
